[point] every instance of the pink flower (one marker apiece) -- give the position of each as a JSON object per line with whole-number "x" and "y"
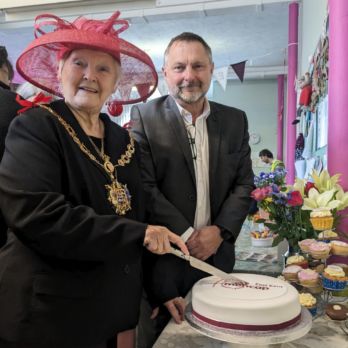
{"x": 295, "y": 199}
{"x": 260, "y": 194}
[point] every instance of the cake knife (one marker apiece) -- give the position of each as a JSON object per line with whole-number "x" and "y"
{"x": 204, "y": 266}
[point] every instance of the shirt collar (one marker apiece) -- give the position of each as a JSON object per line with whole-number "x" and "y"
{"x": 186, "y": 115}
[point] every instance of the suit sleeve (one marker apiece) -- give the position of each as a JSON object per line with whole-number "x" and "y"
{"x": 237, "y": 203}
{"x": 161, "y": 211}
{"x": 31, "y": 199}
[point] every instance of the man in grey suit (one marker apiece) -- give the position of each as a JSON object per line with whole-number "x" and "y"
{"x": 196, "y": 168}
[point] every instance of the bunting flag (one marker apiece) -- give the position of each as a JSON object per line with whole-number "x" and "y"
{"x": 221, "y": 76}
{"x": 239, "y": 69}
{"x": 143, "y": 89}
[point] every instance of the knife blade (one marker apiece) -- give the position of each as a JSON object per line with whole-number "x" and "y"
{"x": 204, "y": 266}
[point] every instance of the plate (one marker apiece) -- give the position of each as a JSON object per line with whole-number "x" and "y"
{"x": 253, "y": 338}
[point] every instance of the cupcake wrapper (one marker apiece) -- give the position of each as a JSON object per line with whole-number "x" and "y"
{"x": 312, "y": 310}
{"x": 322, "y": 224}
{"x": 334, "y": 284}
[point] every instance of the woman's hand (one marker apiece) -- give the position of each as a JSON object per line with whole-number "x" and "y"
{"x": 158, "y": 239}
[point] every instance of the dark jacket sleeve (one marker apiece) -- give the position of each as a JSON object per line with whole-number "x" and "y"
{"x": 33, "y": 173}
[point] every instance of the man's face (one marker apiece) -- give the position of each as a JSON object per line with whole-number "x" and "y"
{"x": 188, "y": 71}
{"x": 264, "y": 159}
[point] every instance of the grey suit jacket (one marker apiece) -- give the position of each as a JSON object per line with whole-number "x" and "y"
{"x": 168, "y": 173}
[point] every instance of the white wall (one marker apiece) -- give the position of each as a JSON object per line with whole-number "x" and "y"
{"x": 258, "y": 98}
{"x": 312, "y": 17}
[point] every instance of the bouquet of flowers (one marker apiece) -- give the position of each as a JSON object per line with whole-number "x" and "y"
{"x": 323, "y": 198}
{"x": 294, "y": 211}
{"x": 283, "y": 204}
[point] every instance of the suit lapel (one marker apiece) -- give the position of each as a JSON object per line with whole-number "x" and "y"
{"x": 178, "y": 127}
{"x": 213, "y": 127}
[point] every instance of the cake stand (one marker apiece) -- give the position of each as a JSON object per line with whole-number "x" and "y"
{"x": 238, "y": 338}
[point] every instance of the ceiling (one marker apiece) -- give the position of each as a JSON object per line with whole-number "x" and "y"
{"x": 257, "y": 32}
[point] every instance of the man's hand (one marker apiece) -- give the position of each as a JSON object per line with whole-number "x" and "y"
{"x": 176, "y": 308}
{"x": 204, "y": 242}
{"x": 158, "y": 238}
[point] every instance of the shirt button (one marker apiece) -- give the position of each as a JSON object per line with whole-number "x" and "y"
{"x": 126, "y": 269}
{"x": 192, "y": 197}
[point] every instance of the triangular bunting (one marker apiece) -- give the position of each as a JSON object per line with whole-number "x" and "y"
{"x": 239, "y": 69}
{"x": 221, "y": 76}
{"x": 143, "y": 89}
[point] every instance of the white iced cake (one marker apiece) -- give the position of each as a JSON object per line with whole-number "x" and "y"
{"x": 264, "y": 303}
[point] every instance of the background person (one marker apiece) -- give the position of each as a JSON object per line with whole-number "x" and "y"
{"x": 266, "y": 156}
{"x": 196, "y": 166}
{"x": 71, "y": 193}
{"x": 8, "y": 110}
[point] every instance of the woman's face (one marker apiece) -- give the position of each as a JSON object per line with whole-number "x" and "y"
{"x": 88, "y": 78}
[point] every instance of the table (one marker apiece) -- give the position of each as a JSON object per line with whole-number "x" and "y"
{"x": 324, "y": 333}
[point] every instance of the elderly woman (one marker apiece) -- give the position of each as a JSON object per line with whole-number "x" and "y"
{"x": 71, "y": 193}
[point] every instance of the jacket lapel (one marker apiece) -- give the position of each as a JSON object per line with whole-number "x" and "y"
{"x": 173, "y": 117}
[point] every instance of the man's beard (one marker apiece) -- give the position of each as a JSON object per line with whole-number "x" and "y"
{"x": 192, "y": 97}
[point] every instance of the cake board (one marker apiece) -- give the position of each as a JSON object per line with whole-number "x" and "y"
{"x": 243, "y": 339}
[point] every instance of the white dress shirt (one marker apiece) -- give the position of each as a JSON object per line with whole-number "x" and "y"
{"x": 199, "y": 142}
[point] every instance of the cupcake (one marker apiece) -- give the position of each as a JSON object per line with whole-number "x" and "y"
{"x": 290, "y": 273}
{"x": 304, "y": 244}
{"x": 308, "y": 278}
{"x": 309, "y": 301}
{"x": 339, "y": 248}
{"x": 334, "y": 278}
{"x": 298, "y": 260}
{"x": 319, "y": 250}
{"x": 344, "y": 266}
{"x": 321, "y": 219}
{"x": 327, "y": 236}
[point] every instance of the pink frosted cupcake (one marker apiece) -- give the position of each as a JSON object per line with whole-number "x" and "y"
{"x": 304, "y": 244}
{"x": 319, "y": 250}
{"x": 308, "y": 278}
{"x": 290, "y": 273}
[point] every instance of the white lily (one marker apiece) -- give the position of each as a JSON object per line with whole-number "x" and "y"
{"x": 343, "y": 198}
{"x": 321, "y": 200}
{"x": 324, "y": 182}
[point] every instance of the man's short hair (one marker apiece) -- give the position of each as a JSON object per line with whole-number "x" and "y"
{"x": 189, "y": 37}
{"x": 266, "y": 153}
